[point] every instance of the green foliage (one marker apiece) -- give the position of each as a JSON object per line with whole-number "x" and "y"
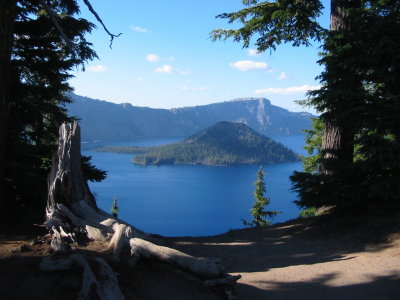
{"x": 123, "y": 149}
{"x": 114, "y": 208}
{"x": 273, "y": 23}
{"x": 258, "y": 211}
{"x": 359, "y": 96}
{"x": 359, "y": 93}
{"x": 225, "y": 143}
{"x": 90, "y": 172}
{"x": 40, "y": 69}
{"x": 309, "y": 212}
{"x": 311, "y": 163}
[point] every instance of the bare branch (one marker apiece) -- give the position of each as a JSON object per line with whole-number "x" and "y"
{"x": 101, "y": 22}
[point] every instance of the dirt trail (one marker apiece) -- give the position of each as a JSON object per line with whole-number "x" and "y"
{"x": 294, "y": 260}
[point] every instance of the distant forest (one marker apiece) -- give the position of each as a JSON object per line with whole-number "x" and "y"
{"x": 225, "y": 143}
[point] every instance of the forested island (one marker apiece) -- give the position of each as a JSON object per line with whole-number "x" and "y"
{"x": 225, "y": 143}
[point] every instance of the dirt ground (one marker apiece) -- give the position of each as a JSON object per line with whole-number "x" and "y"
{"x": 300, "y": 259}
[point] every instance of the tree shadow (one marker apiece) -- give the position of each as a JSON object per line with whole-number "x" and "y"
{"x": 255, "y": 251}
{"x": 384, "y": 287}
{"x": 21, "y": 278}
{"x": 298, "y": 242}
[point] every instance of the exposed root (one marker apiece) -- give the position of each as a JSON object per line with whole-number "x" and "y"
{"x": 120, "y": 239}
{"x": 227, "y": 280}
{"x": 108, "y": 281}
{"x": 105, "y": 286}
{"x": 60, "y": 239}
{"x": 199, "y": 266}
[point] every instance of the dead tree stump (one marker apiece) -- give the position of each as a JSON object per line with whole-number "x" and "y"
{"x": 71, "y": 208}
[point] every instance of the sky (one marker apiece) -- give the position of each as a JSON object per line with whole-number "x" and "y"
{"x": 165, "y": 58}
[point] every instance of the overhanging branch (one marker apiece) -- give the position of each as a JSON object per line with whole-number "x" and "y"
{"x": 70, "y": 43}
{"x": 101, "y": 22}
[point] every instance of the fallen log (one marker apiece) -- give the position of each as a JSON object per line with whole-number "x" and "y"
{"x": 207, "y": 268}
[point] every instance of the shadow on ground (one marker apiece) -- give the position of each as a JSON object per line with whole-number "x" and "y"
{"x": 378, "y": 288}
{"x": 249, "y": 251}
{"x": 297, "y": 242}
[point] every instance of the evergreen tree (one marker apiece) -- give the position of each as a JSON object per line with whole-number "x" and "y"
{"x": 258, "y": 211}
{"x": 48, "y": 42}
{"x": 114, "y": 208}
{"x": 295, "y": 22}
{"x": 7, "y": 16}
{"x": 359, "y": 92}
{"x": 354, "y": 145}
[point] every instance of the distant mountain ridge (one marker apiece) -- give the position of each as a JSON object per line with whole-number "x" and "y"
{"x": 109, "y": 122}
{"x": 223, "y": 144}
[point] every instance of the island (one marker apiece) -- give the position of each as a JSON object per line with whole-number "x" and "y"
{"x": 225, "y": 143}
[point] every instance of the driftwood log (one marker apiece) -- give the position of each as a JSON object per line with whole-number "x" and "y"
{"x": 72, "y": 212}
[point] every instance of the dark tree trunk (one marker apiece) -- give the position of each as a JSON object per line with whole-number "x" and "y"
{"x": 7, "y": 19}
{"x": 338, "y": 140}
{"x": 339, "y": 13}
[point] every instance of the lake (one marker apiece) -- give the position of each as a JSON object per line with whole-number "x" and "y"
{"x": 178, "y": 200}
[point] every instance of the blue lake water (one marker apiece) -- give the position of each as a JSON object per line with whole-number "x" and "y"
{"x": 177, "y": 200}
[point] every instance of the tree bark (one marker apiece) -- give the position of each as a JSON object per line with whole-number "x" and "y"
{"x": 66, "y": 182}
{"x": 7, "y": 20}
{"x": 338, "y": 140}
{"x": 339, "y": 13}
{"x": 207, "y": 268}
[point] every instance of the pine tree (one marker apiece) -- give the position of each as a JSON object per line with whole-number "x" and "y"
{"x": 258, "y": 211}
{"x": 7, "y": 16}
{"x": 114, "y": 208}
{"x": 40, "y": 60}
{"x": 353, "y": 163}
{"x": 359, "y": 92}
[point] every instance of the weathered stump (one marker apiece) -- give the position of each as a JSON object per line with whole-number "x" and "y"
{"x": 71, "y": 208}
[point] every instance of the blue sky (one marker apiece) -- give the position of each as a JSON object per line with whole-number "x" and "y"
{"x": 165, "y": 58}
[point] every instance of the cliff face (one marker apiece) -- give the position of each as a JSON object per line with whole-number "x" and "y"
{"x": 106, "y": 122}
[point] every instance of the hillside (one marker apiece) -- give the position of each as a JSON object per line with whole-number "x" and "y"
{"x": 225, "y": 143}
{"x": 106, "y": 122}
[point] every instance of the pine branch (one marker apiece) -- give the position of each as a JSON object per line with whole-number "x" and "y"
{"x": 53, "y": 17}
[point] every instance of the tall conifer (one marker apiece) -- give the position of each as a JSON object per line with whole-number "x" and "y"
{"x": 48, "y": 42}
{"x": 356, "y": 141}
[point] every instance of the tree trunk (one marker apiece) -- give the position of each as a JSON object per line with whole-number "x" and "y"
{"x": 71, "y": 208}
{"x": 66, "y": 182}
{"x": 339, "y": 13}
{"x": 338, "y": 140}
{"x": 7, "y": 19}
